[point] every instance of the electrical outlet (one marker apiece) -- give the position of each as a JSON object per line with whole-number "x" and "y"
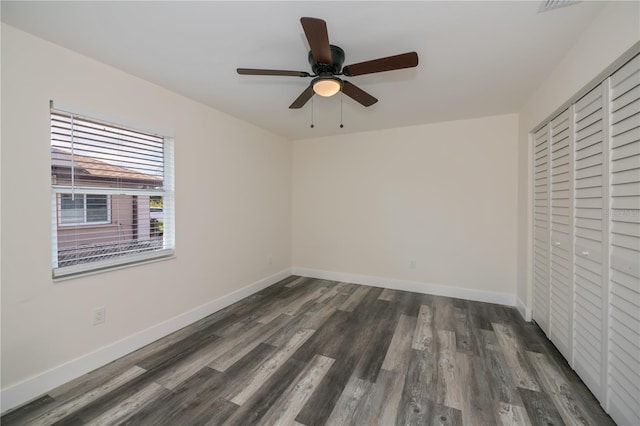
{"x": 99, "y": 315}
{"x": 412, "y": 264}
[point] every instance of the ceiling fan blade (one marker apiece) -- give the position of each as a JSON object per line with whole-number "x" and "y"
{"x": 316, "y": 31}
{"x": 303, "y": 98}
{"x": 357, "y": 94}
{"x": 390, "y": 63}
{"x": 254, "y": 71}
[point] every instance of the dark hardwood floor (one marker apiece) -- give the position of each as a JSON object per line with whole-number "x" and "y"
{"x": 314, "y": 352}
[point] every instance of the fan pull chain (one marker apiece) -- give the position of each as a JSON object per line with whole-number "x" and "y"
{"x": 311, "y": 113}
{"x": 341, "y": 125}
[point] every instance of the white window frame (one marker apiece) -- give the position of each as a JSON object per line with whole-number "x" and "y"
{"x": 84, "y": 211}
{"x": 167, "y": 192}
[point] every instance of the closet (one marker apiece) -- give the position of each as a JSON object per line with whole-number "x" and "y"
{"x": 586, "y": 238}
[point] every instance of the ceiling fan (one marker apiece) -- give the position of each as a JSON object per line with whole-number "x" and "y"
{"x": 326, "y": 63}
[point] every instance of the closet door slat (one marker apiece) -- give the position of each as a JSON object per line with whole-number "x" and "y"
{"x": 541, "y": 233}
{"x": 624, "y": 248}
{"x": 589, "y": 211}
{"x": 561, "y": 260}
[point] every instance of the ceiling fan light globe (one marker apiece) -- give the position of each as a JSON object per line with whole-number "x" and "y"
{"x": 327, "y": 86}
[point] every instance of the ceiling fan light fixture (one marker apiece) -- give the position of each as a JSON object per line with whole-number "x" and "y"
{"x": 326, "y": 86}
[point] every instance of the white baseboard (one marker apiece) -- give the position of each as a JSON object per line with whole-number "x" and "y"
{"x": 524, "y": 310}
{"x": 414, "y": 286}
{"x": 35, "y": 386}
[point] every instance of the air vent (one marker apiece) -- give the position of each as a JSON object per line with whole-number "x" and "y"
{"x": 548, "y": 5}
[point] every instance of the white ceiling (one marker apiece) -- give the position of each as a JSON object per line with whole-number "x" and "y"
{"x": 477, "y": 58}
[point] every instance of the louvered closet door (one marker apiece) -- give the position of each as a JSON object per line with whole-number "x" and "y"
{"x": 624, "y": 320}
{"x": 561, "y": 303}
{"x": 541, "y": 229}
{"x": 590, "y": 205}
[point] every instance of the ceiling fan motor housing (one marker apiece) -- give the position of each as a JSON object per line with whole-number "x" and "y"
{"x": 337, "y": 59}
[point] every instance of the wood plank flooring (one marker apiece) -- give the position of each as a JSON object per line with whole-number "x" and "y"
{"x": 315, "y": 352}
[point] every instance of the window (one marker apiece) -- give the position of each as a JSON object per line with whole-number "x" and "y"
{"x": 89, "y": 209}
{"x": 112, "y": 195}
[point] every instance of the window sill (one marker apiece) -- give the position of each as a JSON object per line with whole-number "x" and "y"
{"x": 78, "y": 271}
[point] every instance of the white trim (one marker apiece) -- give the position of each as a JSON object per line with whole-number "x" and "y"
{"x": 33, "y": 387}
{"x": 528, "y": 290}
{"x": 414, "y": 286}
{"x": 524, "y": 310}
{"x": 110, "y": 264}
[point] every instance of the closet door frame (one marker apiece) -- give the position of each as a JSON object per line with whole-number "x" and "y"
{"x": 603, "y": 394}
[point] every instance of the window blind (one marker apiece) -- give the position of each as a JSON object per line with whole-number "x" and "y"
{"x": 112, "y": 195}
